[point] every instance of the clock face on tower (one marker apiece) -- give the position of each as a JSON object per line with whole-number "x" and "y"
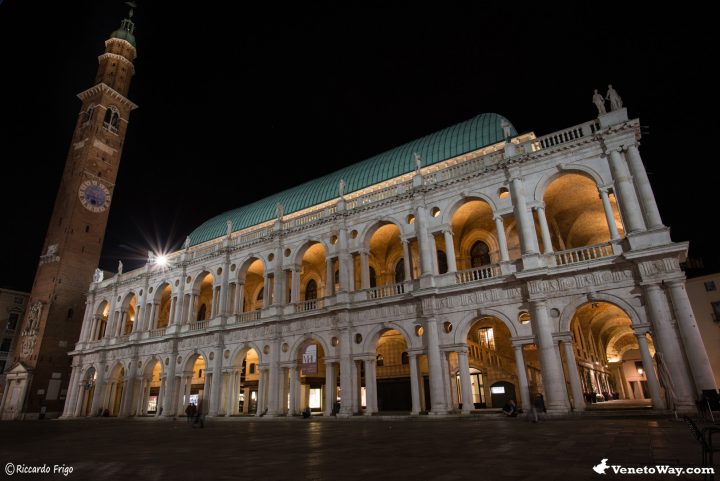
{"x": 94, "y": 196}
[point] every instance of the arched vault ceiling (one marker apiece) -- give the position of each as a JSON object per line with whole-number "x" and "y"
{"x": 472, "y": 215}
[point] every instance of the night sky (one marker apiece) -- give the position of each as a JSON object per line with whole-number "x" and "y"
{"x": 229, "y": 93}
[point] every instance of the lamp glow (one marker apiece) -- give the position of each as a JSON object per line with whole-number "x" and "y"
{"x": 161, "y": 260}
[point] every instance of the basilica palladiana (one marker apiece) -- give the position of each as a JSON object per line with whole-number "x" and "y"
{"x": 450, "y": 274}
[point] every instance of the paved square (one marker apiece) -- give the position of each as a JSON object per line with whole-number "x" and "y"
{"x": 337, "y": 449}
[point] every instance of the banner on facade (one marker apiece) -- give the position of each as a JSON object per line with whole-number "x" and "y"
{"x": 309, "y": 362}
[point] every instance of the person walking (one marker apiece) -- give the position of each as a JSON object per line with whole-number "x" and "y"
{"x": 537, "y": 407}
{"x": 189, "y": 412}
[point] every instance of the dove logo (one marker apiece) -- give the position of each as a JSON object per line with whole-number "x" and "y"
{"x": 600, "y": 468}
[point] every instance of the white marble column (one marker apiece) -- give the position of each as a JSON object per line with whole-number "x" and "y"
{"x": 239, "y": 297}
{"x": 273, "y": 388}
{"x": 266, "y": 291}
{"x": 423, "y": 237}
{"x": 450, "y": 250}
{"x": 650, "y": 375}
{"x": 370, "y": 388}
{"x": 550, "y": 365}
{"x": 626, "y": 195}
{"x": 406, "y": 260}
{"x": 364, "y": 270}
{"x": 609, "y": 214}
{"x": 295, "y": 290}
{"x": 294, "y": 388}
{"x": 167, "y": 406}
{"x": 329, "y": 278}
{"x": 215, "y": 391}
{"x": 414, "y": 383}
{"x": 667, "y": 343}
{"x": 575, "y": 384}
{"x": 642, "y": 183}
{"x": 71, "y": 392}
{"x": 437, "y": 390}
{"x": 261, "y": 399}
{"x": 465, "y": 384}
{"x": 99, "y": 393}
{"x": 528, "y": 237}
{"x": 544, "y": 230}
{"x": 330, "y": 384}
{"x": 694, "y": 347}
{"x": 502, "y": 239}
{"x": 522, "y": 378}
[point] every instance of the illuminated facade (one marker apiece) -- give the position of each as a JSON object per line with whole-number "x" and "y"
{"x": 489, "y": 266}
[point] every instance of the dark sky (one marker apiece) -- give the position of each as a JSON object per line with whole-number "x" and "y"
{"x": 238, "y": 101}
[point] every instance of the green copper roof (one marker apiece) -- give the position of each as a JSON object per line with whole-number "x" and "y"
{"x": 473, "y": 134}
{"x": 125, "y": 32}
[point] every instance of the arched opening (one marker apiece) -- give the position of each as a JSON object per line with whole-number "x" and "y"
{"x": 100, "y": 322}
{"x": 87, "y": 393}
{"x": 112, "y": 119}
{"x": 492, "y": 369}
{"x": 608, "y": 356}
{"x": 242, "y": 383}
{"x": 150, "y": 386}
{"x": 575, "y": 213}
{"x": 163, "y": 299}
{"x": 310, "y": 360}
{"x": 311, "y": 290}
{"x": 127, "y": 314}
{"x": 115, "y": 386}
{"x": 392, "y": 374}
{"x": 194, "y": 384}
{"x": 479, "y": 254}
{"x": 253, "y": 292}
{"x": 312, "y": 273}
{"x": 475, "y": 234}
{"x": 384, "y": 254}
{"x": 204, "y": 311}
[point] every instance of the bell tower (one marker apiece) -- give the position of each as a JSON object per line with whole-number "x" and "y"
{"x": 38, "y": 380}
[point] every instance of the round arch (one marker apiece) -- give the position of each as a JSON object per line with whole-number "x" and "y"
{"x": 245, "y": 266}
{"x": 467, "y": 322}
{"x": 239, "y": 352}
{"x": 308, "y": 243}
{"x": 295, "y": 349}
{"x": 548, "y": 178}
{"x": 448, "y": 215}
{"x": 372, "y": 338}
{"x": 128, "y": 299}
{"x": 148, "y": 366}
{"x": 100, "y": 307}
{"x": 193, "y": 356}
{"x": 371, "y": 228}
{"x": 568, "y": 313}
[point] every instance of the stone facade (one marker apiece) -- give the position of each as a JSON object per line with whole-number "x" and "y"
{"x": 533, "y": 266}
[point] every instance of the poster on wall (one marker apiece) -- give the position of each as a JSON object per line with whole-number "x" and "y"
{"x": 309, "y": 364}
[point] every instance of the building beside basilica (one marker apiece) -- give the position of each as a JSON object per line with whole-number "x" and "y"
{"x": 452, "y": 273}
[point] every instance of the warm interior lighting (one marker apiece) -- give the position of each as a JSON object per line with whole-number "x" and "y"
{"x": 640, "y": 371}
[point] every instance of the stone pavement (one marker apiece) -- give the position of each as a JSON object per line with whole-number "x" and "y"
{"x": 469, "y": 448}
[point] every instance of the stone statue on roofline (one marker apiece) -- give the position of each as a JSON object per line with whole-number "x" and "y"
{"x": 120, "y": 267}
{"x": 280, "y": 210}
{"x": 599, "y": 102}
{"x": 98, "y": 275}
{"x": 507, "y": 128}
{"x": 186, "y": 244}
{"x": 229, "y": 227}
{"x": 615, "y": 100}
{"x": 341, "y": 188}
{"x": 418, "y": 163}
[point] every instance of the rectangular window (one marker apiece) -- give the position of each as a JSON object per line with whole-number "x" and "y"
{"x": 13, "y": 321}
{"x": 486, "y": 338}
{"x": 710, "y": 286}
{"x": 716, "y": 311}
{"x": 5, "y": 346}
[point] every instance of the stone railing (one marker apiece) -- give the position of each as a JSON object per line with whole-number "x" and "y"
{"x": 571, "y": 134}
{"x": 386, "y": 291}
{"x": 156, "y": 332}
{"x": 252, "y": 235}
{"x": 583, "y": 254}
{"x": 124, "y": 338}
{"x": 309, "y": 217}
{"x": 477, "y": 273}
{"x": 461, "y": 169}
{"x": 248, "y": 316}
{"x": 309, "y": 305}
{"x": 198, "y": 325}
{"x": 378, "y": 195}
